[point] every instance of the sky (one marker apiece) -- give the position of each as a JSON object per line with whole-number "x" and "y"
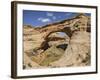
{"x": 41, "y": 18}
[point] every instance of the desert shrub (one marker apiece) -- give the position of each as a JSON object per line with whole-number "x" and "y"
{"x": 29, "y": 64}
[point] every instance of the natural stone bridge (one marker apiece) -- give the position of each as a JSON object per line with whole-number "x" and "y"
{"x": 80, "y": 22}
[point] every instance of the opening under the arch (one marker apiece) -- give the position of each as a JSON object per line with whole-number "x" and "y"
{"x": 62, "y": 34}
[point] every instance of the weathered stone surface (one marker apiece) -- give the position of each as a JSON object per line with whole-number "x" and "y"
{"x": 44, "y": 41}
{"x": 79, "y": 23}
{"x": 78, "y": 51}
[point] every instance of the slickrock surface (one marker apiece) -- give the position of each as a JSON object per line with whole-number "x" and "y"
{"x": 77, "y": 52}
{"x": 44, "y": 47}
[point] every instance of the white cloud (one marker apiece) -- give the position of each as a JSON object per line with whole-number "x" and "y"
{"x": 44, "y": 19}
{"x": 49, "y": 14}
{"x": 54, "y": 17}
{"x": 59, "y": 16}
{"x": 39, "y": 19}
{"x": 67, "y": 14}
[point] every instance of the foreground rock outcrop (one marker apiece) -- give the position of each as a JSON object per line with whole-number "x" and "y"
{"x": 77, "y": 52}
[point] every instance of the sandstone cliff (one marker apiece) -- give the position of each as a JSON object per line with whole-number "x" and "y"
{"x": 44, "y": 47}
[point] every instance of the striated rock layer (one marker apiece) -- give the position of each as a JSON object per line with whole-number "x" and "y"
{"x": 44, "y": 47}
{"x": 77, "y": 52}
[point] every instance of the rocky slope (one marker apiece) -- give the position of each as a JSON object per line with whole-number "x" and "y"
{"x": 45, "y": 47}
{"x": 77, "y": 52}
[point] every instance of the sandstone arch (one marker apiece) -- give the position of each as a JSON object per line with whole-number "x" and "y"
{"x": 41, "y": 36}
{"x": 68, "y": 26}
{"x": 44, "y": 45}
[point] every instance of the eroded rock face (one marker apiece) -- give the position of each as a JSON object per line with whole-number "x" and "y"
{"x": 77, "y": 52}
{"x": 79, "y": 23}
{"x": 43, "y": 47}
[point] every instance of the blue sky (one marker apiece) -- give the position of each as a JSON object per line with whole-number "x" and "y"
{"x": 40, "y": 18}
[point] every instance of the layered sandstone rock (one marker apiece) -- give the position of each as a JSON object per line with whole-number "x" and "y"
{"x": 44, "y": 47}
{"x": 77, "y": 52}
